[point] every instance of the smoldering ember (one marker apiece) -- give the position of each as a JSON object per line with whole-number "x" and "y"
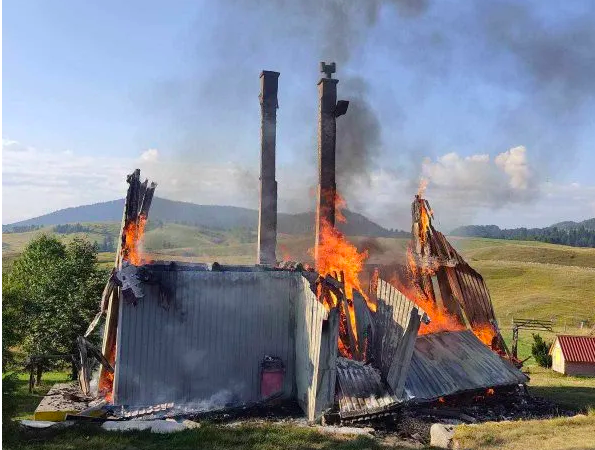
{"x": 342, "y": 342}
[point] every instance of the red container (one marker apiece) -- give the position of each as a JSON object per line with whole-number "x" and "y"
{"x": 272, "y": 376}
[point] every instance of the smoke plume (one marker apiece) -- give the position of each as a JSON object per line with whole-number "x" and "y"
{"x": 470, "y": 81}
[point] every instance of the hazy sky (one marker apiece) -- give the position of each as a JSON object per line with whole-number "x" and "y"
{"x": 492, "y": 102}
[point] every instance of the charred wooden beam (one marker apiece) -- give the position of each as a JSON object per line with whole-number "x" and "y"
{"x": 136, "y": 208}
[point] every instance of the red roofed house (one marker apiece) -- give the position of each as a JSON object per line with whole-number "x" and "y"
{"x": 574, "y": 355}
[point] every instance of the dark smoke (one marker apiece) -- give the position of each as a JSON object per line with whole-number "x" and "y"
{"x": 270, "y": 34}
{"x": 373, "y": 246}
{"x": 339, "y": 29}
{"x": 358, "y": 134}
{"x": 527, "y": 69}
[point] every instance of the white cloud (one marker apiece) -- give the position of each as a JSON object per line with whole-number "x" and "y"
{"x": 477, "y": 181}
{"x": 514, "y": 164}
{"x": 38, "y": 181}
{"x": 150, "y": 155}
{"x": 471, "y": 189}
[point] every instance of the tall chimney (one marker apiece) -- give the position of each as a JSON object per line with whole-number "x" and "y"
{"x": 329, "y": 110}
{"x": 267, "y": 210}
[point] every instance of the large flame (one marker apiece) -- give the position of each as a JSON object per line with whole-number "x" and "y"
{"x": 337, "y": 257}
{"x": 134, "y": 232}
{"x": 106, "y": 386}
{"x": 440, "y": 319}
{"x": 422, "y": 293}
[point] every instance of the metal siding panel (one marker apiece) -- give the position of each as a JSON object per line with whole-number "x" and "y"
{"x": 452, "y": 362}
{"x": 218, "y": 322}
{"x": 361, "y": 390}
{"x": 119, "y": 337}
{"x": 301, "y": 356}
{"x": 398, "y": 333}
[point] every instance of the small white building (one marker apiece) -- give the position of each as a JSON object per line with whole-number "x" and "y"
{"x": 574, "y": 355}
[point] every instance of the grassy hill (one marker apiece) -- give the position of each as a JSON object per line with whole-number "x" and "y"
{"x": 525, "y": 279}
{"x": 535, "y": 279}
{"x": 14, "y": 243}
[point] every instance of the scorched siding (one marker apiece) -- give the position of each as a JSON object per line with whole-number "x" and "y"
{"x": 205, "y": 342}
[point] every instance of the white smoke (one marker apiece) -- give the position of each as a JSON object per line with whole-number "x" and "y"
{"x": 514, "y": 164}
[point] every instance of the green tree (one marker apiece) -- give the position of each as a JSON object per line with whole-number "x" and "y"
{"x": 540, "y": 351}
{"x": 12, "y": 316}
{"x": 55, "y": 291}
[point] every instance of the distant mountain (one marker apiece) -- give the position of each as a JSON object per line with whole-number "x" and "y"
{"x": 576, "y": 234}
{"x": 209, "y": 216}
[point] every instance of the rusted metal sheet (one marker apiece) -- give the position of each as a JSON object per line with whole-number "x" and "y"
{"x": 396, "y": 326}
{"x": 199, "y": 336}
{"x": 362, "y": 393}
{"x": 453, "y": 362}
{"x": 577, "y": 348}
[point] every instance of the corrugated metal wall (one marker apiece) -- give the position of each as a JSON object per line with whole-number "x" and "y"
{"x": 206, "y": 340}
{"x": 451, "y": 362}
{"x": 397, "y": 323}
{"x": 316, "y": 352}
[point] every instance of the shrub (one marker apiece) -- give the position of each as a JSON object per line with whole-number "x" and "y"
{"x": 9, "y": 406}
{"x": 540, "y": 351}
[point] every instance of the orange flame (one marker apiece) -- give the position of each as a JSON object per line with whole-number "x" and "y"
{"x": 106, "y": 382}
{"x": 485, "y": 333}
{"x": 424, "y": 219}
{"x": 336, "y": 256}
{"x": 490, "y": 391}
{"x": 440, "y": 319}
{"x": 133, "y": 234}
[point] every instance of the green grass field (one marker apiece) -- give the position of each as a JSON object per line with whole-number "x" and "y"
{"x": 27, "y": 402}
{"x": 570, "y": 392}
{"x": 574, "y": 433}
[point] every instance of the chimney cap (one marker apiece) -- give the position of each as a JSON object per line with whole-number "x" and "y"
{"x": 328, "y": 69}
{"x": 269, "y": 73}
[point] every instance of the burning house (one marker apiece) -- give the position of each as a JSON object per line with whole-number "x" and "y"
{"x": 207, "y": 336}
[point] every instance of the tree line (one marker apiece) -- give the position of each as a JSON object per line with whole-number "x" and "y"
{"x": 108, "y": 243}
{"x": 575, "y": 237}
{"x": 19, "y": 228}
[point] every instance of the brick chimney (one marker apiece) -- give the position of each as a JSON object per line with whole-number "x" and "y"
{"x": 267, "y": 210}
{"x": 329, "y": 110}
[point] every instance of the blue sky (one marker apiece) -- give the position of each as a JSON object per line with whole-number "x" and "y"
{"x": 444, "y": 91}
